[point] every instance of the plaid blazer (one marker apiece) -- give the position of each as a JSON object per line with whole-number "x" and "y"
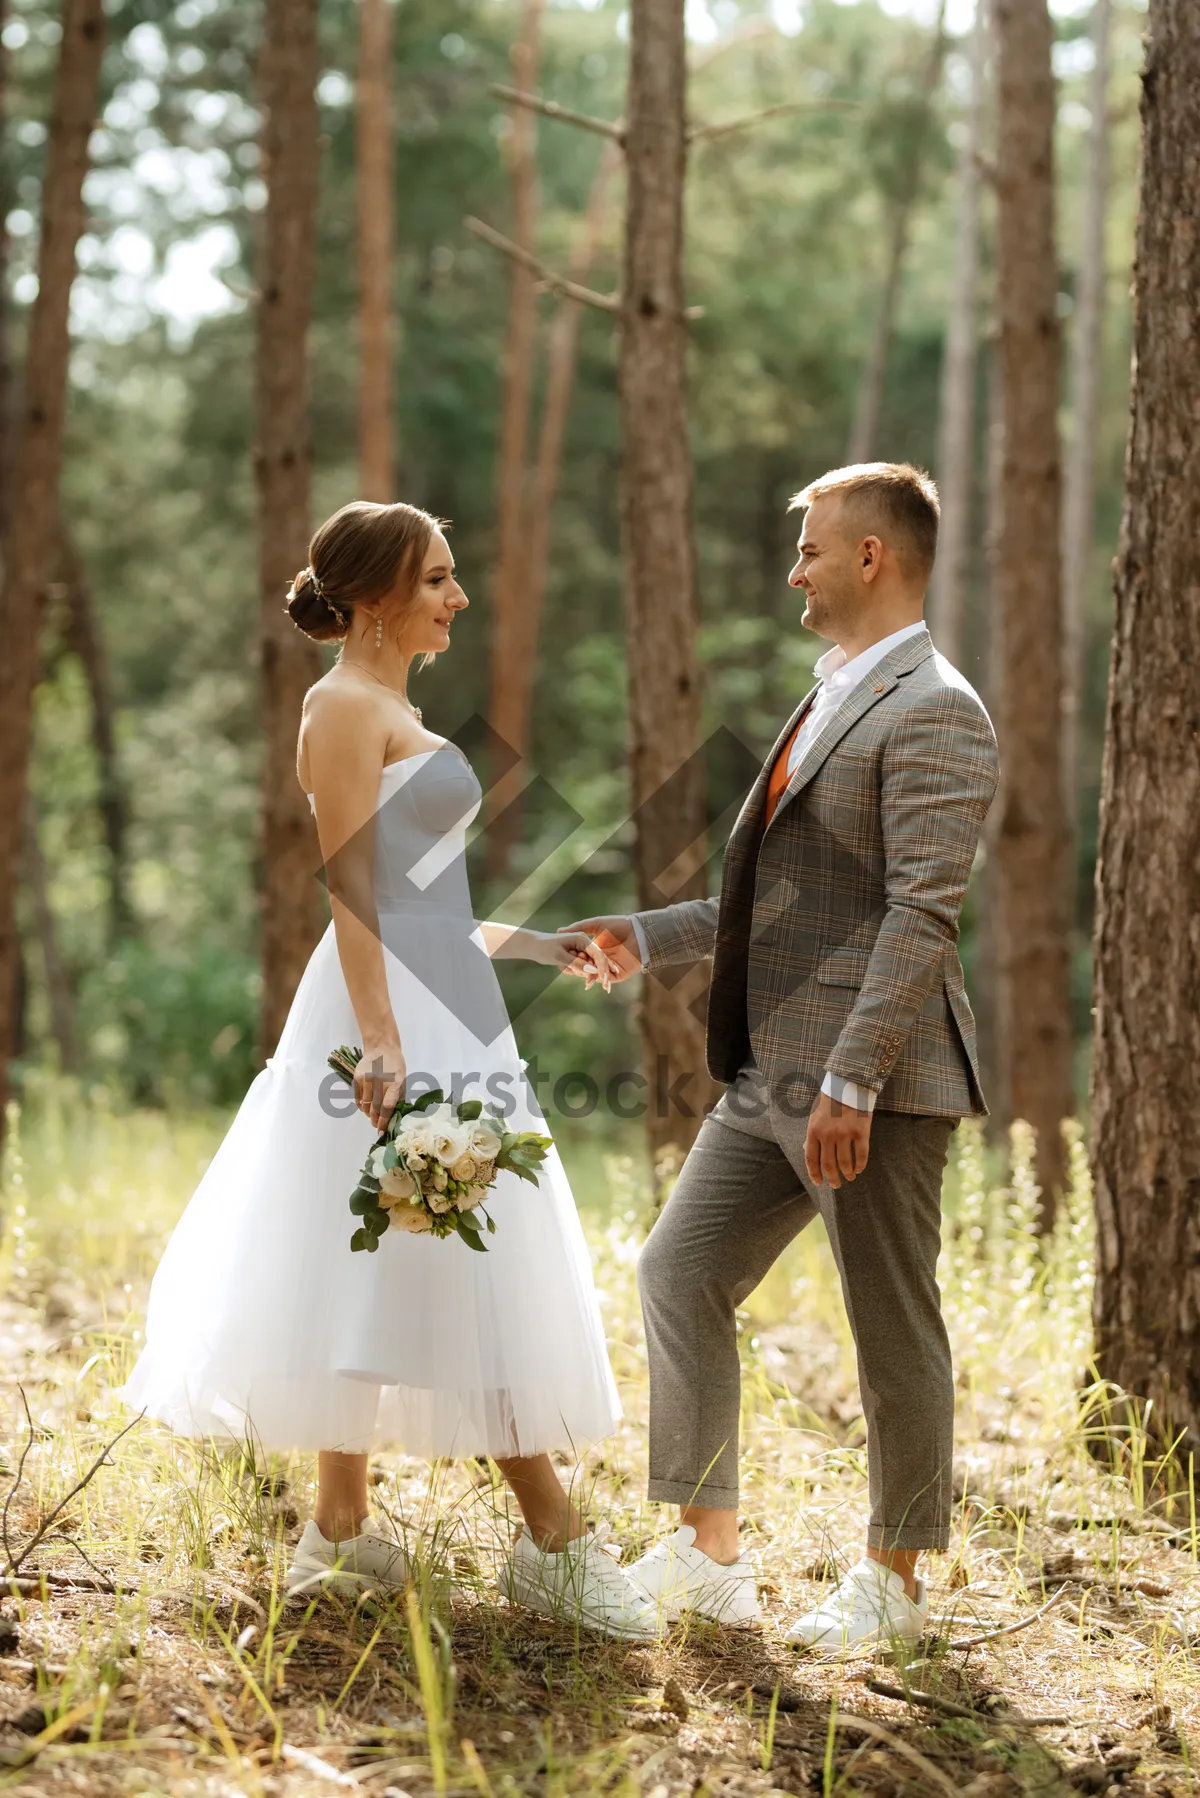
{"x": 834, "y": 939}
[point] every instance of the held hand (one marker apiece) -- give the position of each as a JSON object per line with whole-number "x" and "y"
{"x": 573, "y": 952}
{"x": 617, "y": 940}
{"x": 379, "y": 1081}
{"x": 837, "y": 1143}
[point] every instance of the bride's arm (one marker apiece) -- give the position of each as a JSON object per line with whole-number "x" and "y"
{"x": 345, "y": 749}
{"x": 570, "y": 951}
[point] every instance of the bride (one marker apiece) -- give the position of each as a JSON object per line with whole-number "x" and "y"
{"x": 262, "y": 1324}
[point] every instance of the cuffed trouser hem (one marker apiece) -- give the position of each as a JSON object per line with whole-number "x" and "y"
{"x": 907, "y": 1535}
{"x": 684, "y": 1492}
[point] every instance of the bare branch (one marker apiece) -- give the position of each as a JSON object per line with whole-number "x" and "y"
{"x": 1008, "y": 1629}
{"x": 17, "y": 1477}
{"x": 570, "y": 290}
{"x": 699, "y": 56}
{"x": 14, "y": 1563}
{"x": 550, "y": 109}
{"x": 708, "y": 133}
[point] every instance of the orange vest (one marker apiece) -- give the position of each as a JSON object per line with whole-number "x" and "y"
{"x": 779, "y": 773}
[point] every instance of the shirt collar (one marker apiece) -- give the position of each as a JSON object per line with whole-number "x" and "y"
{"x": 839, "y": 675}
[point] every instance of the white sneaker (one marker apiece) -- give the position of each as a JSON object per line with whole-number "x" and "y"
{"x": 579, "y": 1584}
{"x": 869, "y": 1609}
{"x": 676, "y": 1576}
{"x": 347, "y": 1567}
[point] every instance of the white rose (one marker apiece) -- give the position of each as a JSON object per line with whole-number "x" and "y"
{"x": 439, "y": 1202}
{"x": 473, "y": 1196}
{"x": 463, "y": 1168}
{"x": 484, "y": 1139}
{"x": 415, "y": 1135}
{"x": 395, "y": 1183}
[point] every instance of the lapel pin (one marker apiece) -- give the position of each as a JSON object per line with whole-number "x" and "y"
{"x": 881, "y": 686}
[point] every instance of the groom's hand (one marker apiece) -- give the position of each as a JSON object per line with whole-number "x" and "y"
{"x": 837, "y": 1143}
{"x": 616, "y": 937}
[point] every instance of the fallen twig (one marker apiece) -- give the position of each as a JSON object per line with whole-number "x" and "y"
{"x": 1007, "y": 1629}
{"x": 32, "y": 1585}
{"x": 933, "y": 1702}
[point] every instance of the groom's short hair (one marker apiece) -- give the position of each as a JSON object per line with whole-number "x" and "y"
{"x": 892, "y": 500}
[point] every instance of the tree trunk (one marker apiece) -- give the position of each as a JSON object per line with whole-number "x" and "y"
{"x": 7, "y": 420}
{"x": 1145, "y": 1122}
{"x": 59, "y": 990}
{"x": 509, "y": 592}
{"x": 867, "y": 413}
{"x": 376, "y": 472}
{"x": 291, "y": 912}
{"x": 35, "y": 500}
{"x": 956, "y": 424}
{"x": 1033, "y": 939}
{"x": 1079, "y": 469}
{"x": 994, "y": 1060}
{"x": 666, "y": 763}
{"x": 84, "y": 639}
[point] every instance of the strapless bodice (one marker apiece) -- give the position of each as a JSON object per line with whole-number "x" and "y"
{"x": 427, "y": 802}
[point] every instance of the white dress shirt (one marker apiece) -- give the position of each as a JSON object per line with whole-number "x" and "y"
{"x": 837, "y": 679}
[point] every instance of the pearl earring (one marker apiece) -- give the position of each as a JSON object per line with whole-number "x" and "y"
{"x": 379, "y": 632}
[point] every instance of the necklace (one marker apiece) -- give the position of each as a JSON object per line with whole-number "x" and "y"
{"x": 414, "y": 709}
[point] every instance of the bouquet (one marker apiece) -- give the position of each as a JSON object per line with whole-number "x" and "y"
{"x": 434, "y": 1165}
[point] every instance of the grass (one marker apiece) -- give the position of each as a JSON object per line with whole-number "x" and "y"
{"x": 190, "y": 1676}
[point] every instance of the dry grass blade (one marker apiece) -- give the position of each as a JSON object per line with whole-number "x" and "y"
{"x": 868, "y": 1726}
{"x": 319, "y": 1769}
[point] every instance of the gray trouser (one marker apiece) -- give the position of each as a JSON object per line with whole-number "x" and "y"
{"x": 741, "y": 1197}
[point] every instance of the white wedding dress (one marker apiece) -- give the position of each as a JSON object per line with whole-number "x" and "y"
{"x": 263, "y": 1325}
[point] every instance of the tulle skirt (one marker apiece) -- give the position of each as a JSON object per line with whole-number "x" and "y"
{"x": 264, "y": 1326}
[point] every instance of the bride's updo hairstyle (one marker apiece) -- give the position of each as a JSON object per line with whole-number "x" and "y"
{"x": 357, "y": 555}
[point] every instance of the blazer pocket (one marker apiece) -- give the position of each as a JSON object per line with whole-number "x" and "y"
{"x": 842, "y": 967}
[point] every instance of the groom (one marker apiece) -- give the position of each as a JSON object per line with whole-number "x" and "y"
{"x": 838, "y": 1016}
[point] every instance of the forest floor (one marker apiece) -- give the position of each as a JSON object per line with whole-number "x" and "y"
{"x": 147, "y": 1649}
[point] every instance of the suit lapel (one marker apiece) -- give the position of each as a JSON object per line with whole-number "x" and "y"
{"x": 874, "y": 685}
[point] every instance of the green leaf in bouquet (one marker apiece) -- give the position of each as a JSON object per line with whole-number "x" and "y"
{"x": 391, "y": 1155}
{"x": 377, "y": 1221}
{"x": 370, "y": 1181}
{"x": 491, "y": 1226}
{"x": 470, "y": 1221}
{"x": 469, "y": 1236}
{"x": 436, "y": 1097}
{"x": 470, "y": 1109}
{"x": 362, "y": 1239}
{"x": 363, "y": 1200}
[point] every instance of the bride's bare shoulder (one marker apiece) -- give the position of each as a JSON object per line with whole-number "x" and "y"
{"x": 338, "y": 719}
